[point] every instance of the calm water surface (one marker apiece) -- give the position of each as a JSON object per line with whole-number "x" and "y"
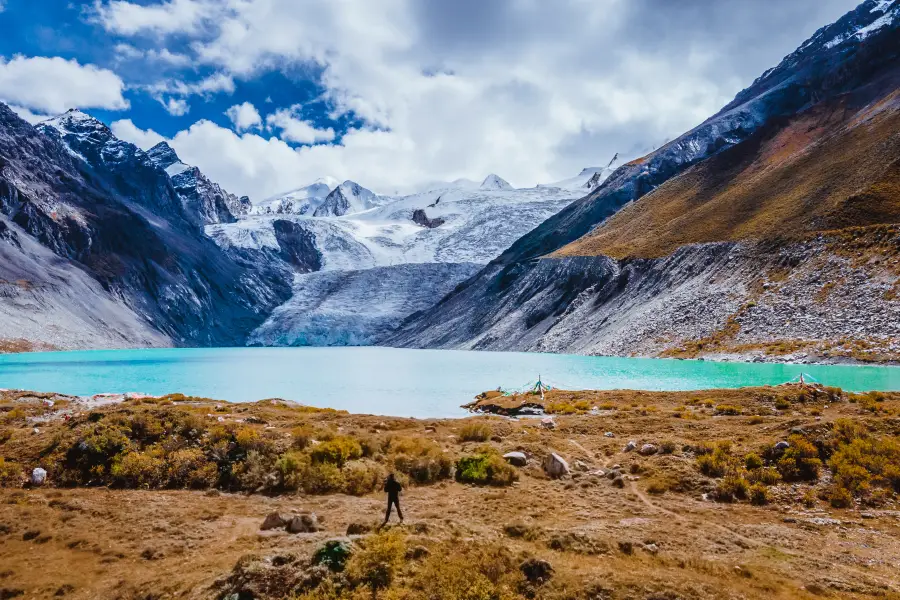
{"x": 387, "y": 381}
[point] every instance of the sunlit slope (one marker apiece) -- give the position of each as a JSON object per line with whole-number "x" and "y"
{"x": 834, "y": 166}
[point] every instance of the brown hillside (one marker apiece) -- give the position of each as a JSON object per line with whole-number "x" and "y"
{"x": 833, "y": 166}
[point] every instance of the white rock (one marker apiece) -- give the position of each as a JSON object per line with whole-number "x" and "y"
{"x": 38, "y": 476}
{"x": 556, "y": 466}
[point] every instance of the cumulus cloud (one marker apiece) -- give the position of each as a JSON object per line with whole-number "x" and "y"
{"x": 125, "y": 129}
{"x": 53, "y": 85}
{"x": 295, "y": 129}
{"x": 128, "y": 18}
{"x": 244, "y": 116}
{"x": 531, "y": 90}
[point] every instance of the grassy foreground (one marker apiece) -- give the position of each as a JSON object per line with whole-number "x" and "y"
{"x": 164, "y": 498}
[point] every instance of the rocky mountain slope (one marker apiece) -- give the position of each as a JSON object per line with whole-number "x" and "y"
{"x": 101, "y": 249}
{"x": 768, "y": 230}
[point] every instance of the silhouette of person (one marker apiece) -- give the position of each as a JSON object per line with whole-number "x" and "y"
{"x": 393, "y": 489}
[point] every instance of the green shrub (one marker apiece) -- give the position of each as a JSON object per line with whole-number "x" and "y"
{"x": 475, "y": 432}
{"x": 190, "y": 468}
{"x": 139, "y": 469}
{"x": 753, "y": 461}
{"x": 422, "y": 460}
{"x": 800, "y": 462}
{"x": 376, "y": 564}
{"x": 840, "y": 497}
{"x": 253, "y": 472}
{"x": 717, "y": 462}
{"x": 728, "y": 409}
{"x": 485, "y": 468}
{"x": 759, "y": 494}
{"x": 764, "y": 476}
{"x": 361, "y": 477}
{"x": 730, "y": 488}
{"x": 336, "y": 451}
{"x": 10, "y": 473}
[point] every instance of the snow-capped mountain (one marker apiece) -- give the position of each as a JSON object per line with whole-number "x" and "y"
{"x": 586, "y": 182}
{"x": 414, "y": 248}
{"x": 348, "y": 198}
{"x": 495, "y": 182}
{"x": 302, "y": 201}
{"x": 200, "y": 195}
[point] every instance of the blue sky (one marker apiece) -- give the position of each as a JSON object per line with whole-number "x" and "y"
{"x": 268, "y": 95}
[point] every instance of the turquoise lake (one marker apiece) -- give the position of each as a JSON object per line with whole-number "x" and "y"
{"x": 388, "y": 381}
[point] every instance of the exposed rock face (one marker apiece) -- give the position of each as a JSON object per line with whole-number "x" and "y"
{"x": 420, "y": 218}
{"x": 100, "y": 205}
{"x": 298, "y": 246}
{"x": 201, "y": 197}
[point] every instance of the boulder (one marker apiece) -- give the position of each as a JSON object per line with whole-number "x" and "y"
{"x": 648, "y": 449}
{"x": 536, "y": 570}
{"x": 273, "y": 521}
{"x": 782, "y": 446}
{"x": 582, "y": 466}
{"x": 556, "y": 466}
{"x": 305, "y": 523}
{"x": 630, "y": 446}
{"x": 38, "y": 476}
{"x": 517, "y": 459}
{"x": 609, "y": 434}
{"x": 548, "y": 423}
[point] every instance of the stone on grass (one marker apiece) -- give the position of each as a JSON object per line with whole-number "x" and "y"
{"x": 305, "y": 523}
{"x": 609, "y": 434}
{"x": 38, "y": 476}
{"x": 630, "y": 446}
{"x": 782, "y": 445}
{"x": 648, "y": 449}
{"x": 517, "y": 459}
{"x": 273, "y": 521}
{"x": 556, "y": 466}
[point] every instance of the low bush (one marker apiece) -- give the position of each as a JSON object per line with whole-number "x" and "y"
{"x": 759, "y": 494}
{"x": 336, "y": 451}
{"x": 422, "y": 460}
{"x": 361, "y": 477}
{"x": 10, "y": 473}
{"x": 728, "y": 409}
{"x": 139, "y": 469}
{"x": 800, "y": 461}
{"x": 485, "y": 468}
{"x": 764, "y": 476}
{"x": 731, "y": 488}
{"x": 377, "y": 563}
{"x": 753, "y": 461}
{"x": 475, "y": 432}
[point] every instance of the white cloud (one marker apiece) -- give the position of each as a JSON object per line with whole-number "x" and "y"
{"x": 533, "y": 91}
{"x": 294, "y": 129}
{"x": 177, "y": 107}
{"x": 127, "y": 52}
{"x": 2, "y": 5}
{"x": 126, "y": 130}
{"x": 53, "y": 85}
{"x": 127, "y": 18}
{"x": 27, "y": 115}
{"x": 244, "y": 116}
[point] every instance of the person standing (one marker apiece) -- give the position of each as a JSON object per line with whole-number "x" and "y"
{"x": 393, "y": 488}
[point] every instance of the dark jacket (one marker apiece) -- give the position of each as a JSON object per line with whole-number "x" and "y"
{"x": 393, "y": 488}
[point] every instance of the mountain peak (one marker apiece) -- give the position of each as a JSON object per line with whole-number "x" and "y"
{"x": 163, "y": 155}
{"x": 75, "y": 121}
{"x": 495, "y": 182}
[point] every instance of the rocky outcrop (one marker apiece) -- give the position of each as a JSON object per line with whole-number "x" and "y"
{"x": 420, "y": 218}
{"x": 298, "y": 246}
{"x": 204, "y": 200}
